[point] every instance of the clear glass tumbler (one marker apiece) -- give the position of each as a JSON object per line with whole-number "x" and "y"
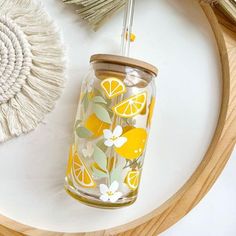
{"x": 111, "y": 131}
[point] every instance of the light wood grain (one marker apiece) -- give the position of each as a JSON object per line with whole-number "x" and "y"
{"x": 202, "y": 179}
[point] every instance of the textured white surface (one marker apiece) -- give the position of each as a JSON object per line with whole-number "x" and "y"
{"x": 215, "y": 215}
{"x": 175, "y": 36}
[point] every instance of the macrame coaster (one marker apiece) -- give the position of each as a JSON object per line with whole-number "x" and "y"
{"x": 31, "y": 66}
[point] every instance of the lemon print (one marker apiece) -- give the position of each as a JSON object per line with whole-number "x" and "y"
{"x": 113, "y": 87}
{"x": 151, "y": 109}
{"x": 132, "y": 106}
{"x": 127, "y": 128}
{"x": 134, "y": 147}
{"x": 70, "y": 159}
{"x": 132, "y": 179}
{"x": 96, "y": 126}
{"x": 81, "y": 173}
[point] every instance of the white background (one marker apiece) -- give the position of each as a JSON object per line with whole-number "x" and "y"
{"x": 215, "y": 215}
{"x": 175, "y": 36}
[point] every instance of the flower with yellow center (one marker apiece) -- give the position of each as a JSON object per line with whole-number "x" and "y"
{"x": 110, "y": 193}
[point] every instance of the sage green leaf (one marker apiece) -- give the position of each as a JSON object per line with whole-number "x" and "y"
{"x": 85, "y": 102}
{"x": 109, "y": 102}
{"x": 77, "y": 123}
{"x": 101, "y": 113}
{"x": 100, "y": 157}
{"x": 99, "y": 99}
{"x": 116, "y": 174}
{"x": 98, "y": 173}
{"x": 82, "y": 132}
{"x": 101, "y": 145}
{"x": 110, "y": 113}
{"x": 98, "y": 92}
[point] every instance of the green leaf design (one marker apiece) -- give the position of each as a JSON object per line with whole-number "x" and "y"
{"x": 110, "y": 113}
{"x": 100, "y": 157}
{"x": 116, "y": 174}
{"x": 101, "y": 113}
{"x": 99, "y": 99}
{"x": 77, "y": 123}
{"x": 85, "y": 101}
{"x": 101, "y": 145}
{"x": 82, "y": 132}
{"x": 98, "y": 92}
{"x": 108, "y": 102}
{"x": 98, "y": 173}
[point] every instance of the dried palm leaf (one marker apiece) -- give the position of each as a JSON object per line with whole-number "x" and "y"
{"x": 96, "y": 12}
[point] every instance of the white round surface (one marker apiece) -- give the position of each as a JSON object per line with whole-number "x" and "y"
{"x": 177, "y": 38}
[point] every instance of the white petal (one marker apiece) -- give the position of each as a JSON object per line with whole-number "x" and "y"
{"x": 114, "y": 187}
{"x": 90, "y": 89}
{"x": 85, "y": 153}
{"x": 109, "y": 143}
{"x": 115, "y": 197}
{"x": 103, "y": 188}
{"x": 89, "y": 145}
{"x": 104, "y": 197}
{"x": 117, "y": 131}
{"x": 91, "y": 81}
{"x": 90, "y": 152}
{"x": 120, "y": 141}
{"x": 90, "y": 149}
{"x": 107, "y": 134}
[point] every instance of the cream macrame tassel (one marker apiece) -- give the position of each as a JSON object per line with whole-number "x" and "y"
{"x": 32, "y": 66}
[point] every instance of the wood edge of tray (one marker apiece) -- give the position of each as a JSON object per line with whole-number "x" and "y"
{"x": 204, "y": 176}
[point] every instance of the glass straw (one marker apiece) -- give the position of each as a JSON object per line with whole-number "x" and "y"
{"x": 127, "y": 28}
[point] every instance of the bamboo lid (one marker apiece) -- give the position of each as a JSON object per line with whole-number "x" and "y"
{"x": 120, "y": 60}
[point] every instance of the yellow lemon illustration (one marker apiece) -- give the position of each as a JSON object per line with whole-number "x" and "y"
{"x": 132, "y": 106}
{"x": 96, "y": 126}
{"x": 70, "y": 159}
{"x": 113, "y": 87}
{"x": 81, "y": 173}
{"x": 135, "y": 144}
{"x": 132, "y": 179}
{"x": 151, "y": 109}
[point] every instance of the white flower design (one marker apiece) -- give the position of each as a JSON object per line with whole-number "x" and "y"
{"x": 113, "y": 138}
{"x": 110, "y": 193}
{"x": 88, "y": 85}
{"x": 88, "y": 151}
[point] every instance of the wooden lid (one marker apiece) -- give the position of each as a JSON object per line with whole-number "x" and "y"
{"x": 126, "y": 61}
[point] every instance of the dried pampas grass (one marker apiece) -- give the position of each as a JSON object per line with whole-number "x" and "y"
{"x": 95, "y": 12}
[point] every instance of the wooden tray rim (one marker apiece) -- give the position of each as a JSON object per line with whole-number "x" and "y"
{"x": 196, "y": 186}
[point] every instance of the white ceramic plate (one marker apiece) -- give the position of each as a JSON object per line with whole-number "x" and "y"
{"x": 173, "y": 35}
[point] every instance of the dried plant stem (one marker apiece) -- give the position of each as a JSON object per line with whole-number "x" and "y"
{"x": 96, "y": 12}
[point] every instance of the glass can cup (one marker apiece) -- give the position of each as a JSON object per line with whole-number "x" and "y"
{"x": 111, "y": 131}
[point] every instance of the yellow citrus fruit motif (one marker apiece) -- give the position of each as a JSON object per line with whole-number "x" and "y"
{"x": 135, "y": 145}
{"x": 132, "y": 106}
{"x": 81, "y": 173}
{"x": 151, "y": 109}
{"x": 144, "y": 111}
{"x": 127, "y": 128}
{"x": 96, "y": 126}
{"x": 132, "y": 179}
{"x": 113, "y": 87}
{"x": 70, "y": 159}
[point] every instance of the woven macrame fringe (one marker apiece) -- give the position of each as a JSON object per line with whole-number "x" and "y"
{"x": 43, "y": 86}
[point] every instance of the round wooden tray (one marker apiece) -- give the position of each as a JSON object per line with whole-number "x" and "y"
{"x": 204, "y": 176}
